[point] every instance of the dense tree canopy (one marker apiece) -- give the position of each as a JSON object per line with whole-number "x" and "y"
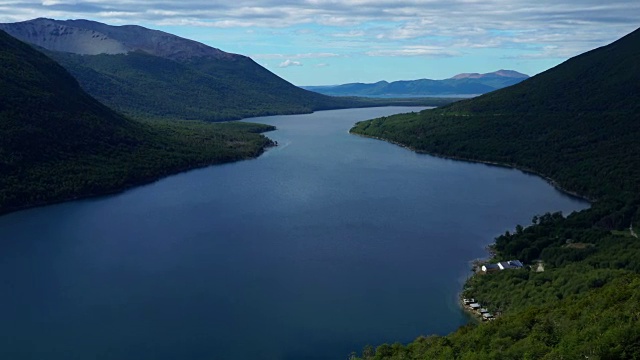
{"x": 579, "y": 125}
{"x": 58, "y": 143}
{"x": 151, "y": 87}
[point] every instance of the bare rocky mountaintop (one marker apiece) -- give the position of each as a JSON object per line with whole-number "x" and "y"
{"x": 86, "y": 37}
{"x": 149, "y": 74}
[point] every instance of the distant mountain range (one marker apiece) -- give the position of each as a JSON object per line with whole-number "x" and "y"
{"x": 152, "y": 74}
{"x": 461, "y": 84}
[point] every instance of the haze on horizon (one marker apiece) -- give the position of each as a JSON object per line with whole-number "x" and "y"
{"x": 323, "y": 42}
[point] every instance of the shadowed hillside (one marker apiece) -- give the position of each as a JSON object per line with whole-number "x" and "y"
{"x": 151, "y": 74}
{"x": 57, "y": 142}
{"x": 578, "y": 124}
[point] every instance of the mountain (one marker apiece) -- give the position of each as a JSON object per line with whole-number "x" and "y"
{"x": 499, "y": 74}
{"x": 59, "y": 143}
{"x": 462, "y": 84}
{"x": 85, "y": 37}
{"x": 577, "y": 124}
{"x": 151, "y": 74}
{"x": 572, "y": 123}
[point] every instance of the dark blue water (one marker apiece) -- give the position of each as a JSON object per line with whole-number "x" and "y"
{"x": 322, "y": 245}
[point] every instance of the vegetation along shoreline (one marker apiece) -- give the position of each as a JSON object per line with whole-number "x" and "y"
{"x": 576, "y": 125}
{"x": 140, "y": 182}
{"x": 525, "y": 170}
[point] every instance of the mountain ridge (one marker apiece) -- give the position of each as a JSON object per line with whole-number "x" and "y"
{"x": 501, "y": 72}
{"x": 149, "y": 74}
{"x": 461, "y": 84}
{"x": 58, "y": 143}
{"x": 575, "y": 101}
{"x": 577, "y": 124}
{"x": 79, "y": 37}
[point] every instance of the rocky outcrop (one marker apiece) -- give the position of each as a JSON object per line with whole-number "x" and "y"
{"x": 86, "y": 37}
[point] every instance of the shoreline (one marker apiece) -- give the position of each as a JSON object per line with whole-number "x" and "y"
{"x": 134, "y": 184}
{"x": 490, "y": 254}
{"x": 551, "y": 181}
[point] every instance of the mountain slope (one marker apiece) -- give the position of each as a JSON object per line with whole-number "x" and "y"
{"x": 57, "y": 142}
{"x": 461, "y": 84}
{"x": 43, "y": 104}
{"x": 579, "y": 124}
{"x": 151, "y": 74}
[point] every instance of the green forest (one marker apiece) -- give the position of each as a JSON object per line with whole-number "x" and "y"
{"x": 144, "y": 86}
{"x": 58, "y": 143}
{"x": 578, "y": 125}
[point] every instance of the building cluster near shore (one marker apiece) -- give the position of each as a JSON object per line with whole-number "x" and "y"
{"x": 502, "y": 265}
{"x": 477, "y": 309}
{"x": 474, "y": 307}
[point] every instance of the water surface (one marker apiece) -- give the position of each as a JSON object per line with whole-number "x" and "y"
{"x": 322, "y": 245}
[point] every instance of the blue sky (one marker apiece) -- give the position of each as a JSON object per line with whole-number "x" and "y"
{"x": 321, "y": 42}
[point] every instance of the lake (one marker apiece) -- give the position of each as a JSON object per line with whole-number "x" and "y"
{"x": 320, "y": 246}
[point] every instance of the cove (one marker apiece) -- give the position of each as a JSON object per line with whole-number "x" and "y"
{"x": 320, "y": 246}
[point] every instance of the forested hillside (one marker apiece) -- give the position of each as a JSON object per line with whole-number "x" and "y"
{"x": 58, "y": 143}
{"x": 579, "y": 125}
{"x": 147, "y": 86}
{"x": 149, "y": 74}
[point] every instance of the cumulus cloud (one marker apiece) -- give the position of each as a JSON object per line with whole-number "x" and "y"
{"x": 295, "y": 56}
{"x": 462, "y": 24}
{"x": 289, "y": 62}
{"x": 416, "y": 50}
{"x": 57, "y": 2}
{"x": 349, "y": 34}
{"x": 412, "y": 15}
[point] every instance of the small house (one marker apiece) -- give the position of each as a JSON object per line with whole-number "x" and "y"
{"x": 487, "y": 316}
{"x": 474, "y": 306}
{"x": 516, "y": 264}
{"x": 487, "y": 268}
{"x": 511, "y": 264}
{"x": 468, "y": 301}
{"x": 483, "y": 311}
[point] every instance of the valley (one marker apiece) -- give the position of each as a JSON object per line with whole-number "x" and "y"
{"x": 151, "y": 75}
{"x": 346, "y": 241}
{"x": 307, "y": 249}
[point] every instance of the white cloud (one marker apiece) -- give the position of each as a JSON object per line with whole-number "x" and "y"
{"x": 294, "y": 56}
{"x": 578, "y": 25}
{"x": 415, "y": 50}
{"x": 316, "y": 55}
{"x": 550, "y": 51}
{"x": 57, "y": 2}
{"x": 288, "y": 63}
{"x": 350, "y": 34}
{"x": 411, "y": 15}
